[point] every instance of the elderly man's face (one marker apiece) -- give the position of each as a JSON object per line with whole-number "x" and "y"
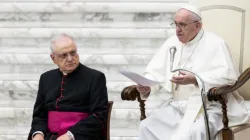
{"x": 65, "y": 55}
{"x": 186, "y": 27}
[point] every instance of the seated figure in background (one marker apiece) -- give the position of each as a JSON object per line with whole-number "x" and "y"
{"x": 207, "y": 55}
{"x": 72, "y": 100}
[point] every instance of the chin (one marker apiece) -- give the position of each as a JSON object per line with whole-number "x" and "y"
{"x": 70, "y": 69}
{"x": 182, "y": 40}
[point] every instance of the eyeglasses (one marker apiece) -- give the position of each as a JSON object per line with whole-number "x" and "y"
{"x": 181, "y": 25}
{"x": 65, "y": 55}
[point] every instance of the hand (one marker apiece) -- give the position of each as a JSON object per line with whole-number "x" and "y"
{"x": 143, "y": 89}
{"x": 64, "y": 137}
{"x": 38, "y": 137}
{"x": 184, "y": 78}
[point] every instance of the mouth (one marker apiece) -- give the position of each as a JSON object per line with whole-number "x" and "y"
{"x": 70, "y": 65}
{"x": 180, "y": 35}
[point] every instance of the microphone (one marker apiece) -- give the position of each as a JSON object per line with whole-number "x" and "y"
{"x": 203, "y": 93}
{"x": 172, "y": 54}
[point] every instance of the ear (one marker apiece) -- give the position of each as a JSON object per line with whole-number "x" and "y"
{"x": 52, "y": 58}
{"x": 198, "y": 25}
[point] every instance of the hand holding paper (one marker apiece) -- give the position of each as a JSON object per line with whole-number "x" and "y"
{"x": 143, "y": 89}
{"x": 139, "y": 79}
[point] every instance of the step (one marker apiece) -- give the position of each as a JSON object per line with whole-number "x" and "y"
{"x": 115, "y": 59}
{"x": 19, "y": 120}
{"x": 117, "y": 113}
{"x": 84, "y": 43}
{"x": 119, "y": 104}
{"x": 70, "y": 7}
{"x": 86, "y": 32}
{"x": 31, "y": 86}
{"x": 24, "y": 137}
{"x": 26, "y": 99}
{"x": 90, "y": 20}
{"x": 82, "y": 50}
{"x": 28, "y": 72}
{"x": 103, "y": 1}
{"x": 22, "y": 131}
{"x": 25, "y": 122}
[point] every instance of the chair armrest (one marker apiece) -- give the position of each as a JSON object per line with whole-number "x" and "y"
{"x": 130, "y": 93}
{"x": 215, "y": 93}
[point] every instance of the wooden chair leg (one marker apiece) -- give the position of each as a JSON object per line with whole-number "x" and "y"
{"x": 130, "y": 93}
{"x": 142, "y": 107}
{"x": 227, "y": 133}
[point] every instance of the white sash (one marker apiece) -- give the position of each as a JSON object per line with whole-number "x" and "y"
{"x": 193, "y": 107}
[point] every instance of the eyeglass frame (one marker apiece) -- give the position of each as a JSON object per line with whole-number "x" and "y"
{"x": 183, "y": 26}
{"x": 73, "y": 53}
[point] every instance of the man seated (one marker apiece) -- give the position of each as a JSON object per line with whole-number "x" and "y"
{"x": 205, "y": 54}
{"x": 72, "y": 100}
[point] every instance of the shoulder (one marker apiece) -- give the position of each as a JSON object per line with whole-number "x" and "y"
{"x": 213, "y": 37}
{"x": 91, "y": 72}
{"x": 171, "y": 41}
{"x": 214, "y": 44}
{"x": 50, "y": 73}
{"x": 173, "y": 38}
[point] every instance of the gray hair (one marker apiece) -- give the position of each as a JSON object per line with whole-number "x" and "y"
{"x": 56, "y": 38}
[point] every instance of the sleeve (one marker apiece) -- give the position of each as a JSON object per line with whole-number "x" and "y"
{"x": 157, "y": 66}
{"x": 94, "y": 124}
{"x": 221, "y": 70}
{"x": 153, "y": 89}
{"x": 37, "y": 132}
{"x": 39, "y": 118}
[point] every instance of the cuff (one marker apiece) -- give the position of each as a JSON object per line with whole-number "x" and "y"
{"x": 37, "y": 132}
{"x": 70, "y": 135}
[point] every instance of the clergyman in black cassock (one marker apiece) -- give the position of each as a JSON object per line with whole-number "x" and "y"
{"x": 72, "y": 101}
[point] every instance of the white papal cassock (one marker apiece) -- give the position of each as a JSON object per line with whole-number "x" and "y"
{"x": 208, "y": 56}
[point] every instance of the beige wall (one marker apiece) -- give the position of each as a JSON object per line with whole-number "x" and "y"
{"x": 230, "y": 19}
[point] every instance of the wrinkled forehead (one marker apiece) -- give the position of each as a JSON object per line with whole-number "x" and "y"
{"x": 63, "y": 45}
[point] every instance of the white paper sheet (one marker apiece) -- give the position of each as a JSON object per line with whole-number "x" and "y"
{"x": 138, "y": 78}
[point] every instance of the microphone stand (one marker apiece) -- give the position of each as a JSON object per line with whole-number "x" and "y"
{"x": 203, "y": 93}
{"x": 203, "y": 97}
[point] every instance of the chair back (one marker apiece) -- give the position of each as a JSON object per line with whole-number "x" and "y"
{"x": 237, "y": 37}
{"x": 110, "y": 104}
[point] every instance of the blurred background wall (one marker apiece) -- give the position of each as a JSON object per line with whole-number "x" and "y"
{"x": 110, "y": 35}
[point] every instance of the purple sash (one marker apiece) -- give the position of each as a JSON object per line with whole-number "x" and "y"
{"x": 60, "y": 122}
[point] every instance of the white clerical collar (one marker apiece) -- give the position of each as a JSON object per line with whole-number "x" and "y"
{"x": 65, "y": 73}
{"x": 196, "y": 39}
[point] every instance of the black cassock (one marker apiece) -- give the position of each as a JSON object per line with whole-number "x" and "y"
{"x": 83, "y": 90}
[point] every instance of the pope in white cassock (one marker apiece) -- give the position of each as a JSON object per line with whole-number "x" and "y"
{"x": 207, "y": 55}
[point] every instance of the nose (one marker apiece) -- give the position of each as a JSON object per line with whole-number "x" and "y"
{"x": 69, "y": 57}
{"x": 178, "y": 29}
